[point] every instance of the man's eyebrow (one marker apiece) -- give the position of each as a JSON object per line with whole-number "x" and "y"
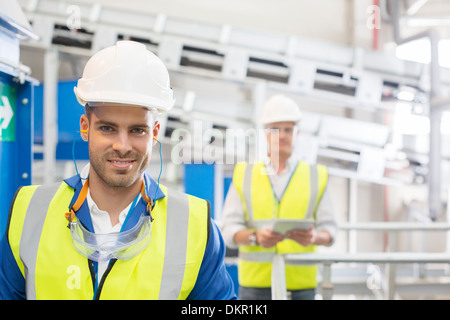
{"x": 104, "y": 122}
{"x": 140, "y": 125}
{"x": 112, "y": 124}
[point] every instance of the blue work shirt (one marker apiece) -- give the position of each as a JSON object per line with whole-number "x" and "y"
{"x": 213, "y": 282}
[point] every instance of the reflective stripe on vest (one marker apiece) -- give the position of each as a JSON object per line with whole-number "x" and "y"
{"x": 181, "y": 219}
{"x": 173, "y": 273}
{"x": 31, "y": 232}
{"x": 247, "y": 193}
{"x": 300, "y": 201}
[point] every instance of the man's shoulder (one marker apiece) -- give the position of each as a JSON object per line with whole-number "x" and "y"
{"x": 183, "y": 198}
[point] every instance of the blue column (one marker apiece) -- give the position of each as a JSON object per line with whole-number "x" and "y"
{"x": 199, "y": 182}
{"x": 15, "y": 140}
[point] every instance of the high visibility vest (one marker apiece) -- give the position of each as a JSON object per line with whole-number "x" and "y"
{"x": 166, "y": 269}
{"x": 299, "y": 201}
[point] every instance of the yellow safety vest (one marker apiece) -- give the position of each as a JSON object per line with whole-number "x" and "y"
{"x": 299, "y": 201}
{"x": 167, "y": 269}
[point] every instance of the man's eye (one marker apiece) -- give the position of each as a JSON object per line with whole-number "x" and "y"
{"x": 138, "y": 131}
{"x": 106, "y": 129}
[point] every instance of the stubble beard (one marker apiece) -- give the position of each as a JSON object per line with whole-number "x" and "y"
{"x": 117, "y": 179}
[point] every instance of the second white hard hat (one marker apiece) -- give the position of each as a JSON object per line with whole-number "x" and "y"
{"x": 280, "y": 108}
{"x": 126, "y": 73}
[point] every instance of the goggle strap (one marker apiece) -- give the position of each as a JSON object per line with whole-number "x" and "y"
{"x": 83, "y": 194}
{"x": 70, "y": 215}
{"x": 148, "y": 200}
{"x": 77, "y": 205}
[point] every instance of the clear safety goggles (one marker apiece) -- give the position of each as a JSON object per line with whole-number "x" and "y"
{"x": 117, "y": 245}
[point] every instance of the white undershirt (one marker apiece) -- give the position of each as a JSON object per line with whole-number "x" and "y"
{"x": 101, "y": 220}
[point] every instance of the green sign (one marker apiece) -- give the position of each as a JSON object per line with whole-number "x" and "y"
{"x": 7, "y": 111}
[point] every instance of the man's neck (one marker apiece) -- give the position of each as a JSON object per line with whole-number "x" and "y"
{"x": 279, "y": 163}
{"x": 112, "y": 200}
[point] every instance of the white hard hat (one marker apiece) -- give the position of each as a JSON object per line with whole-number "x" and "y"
{"x": 280, "y": 108}
{"x": 126, "y": 73}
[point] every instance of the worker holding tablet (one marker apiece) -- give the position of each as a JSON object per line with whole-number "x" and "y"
{"x": 279, "y": 205}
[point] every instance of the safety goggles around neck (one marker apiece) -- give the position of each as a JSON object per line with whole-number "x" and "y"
{"x": 123, "y": 245}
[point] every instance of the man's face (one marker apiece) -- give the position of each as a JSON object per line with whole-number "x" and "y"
{"x": 120, "y": 143}
{"x": 280, "y": 138}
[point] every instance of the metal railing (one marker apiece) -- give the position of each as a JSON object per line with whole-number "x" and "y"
{"x": 390, "y": 258}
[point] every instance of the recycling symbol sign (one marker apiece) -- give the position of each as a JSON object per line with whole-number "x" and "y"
{"x": 7, "y": 110}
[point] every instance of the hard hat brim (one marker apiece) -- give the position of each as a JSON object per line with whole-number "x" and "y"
{"x": 280, "y": 119}
{"x": 119, "y": 98}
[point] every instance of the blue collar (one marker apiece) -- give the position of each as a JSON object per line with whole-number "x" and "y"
{"x": 83, "y": 214}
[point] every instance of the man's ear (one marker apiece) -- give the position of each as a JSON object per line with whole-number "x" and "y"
{"x": 84, "y": 127}
{"x": 156, "y": 128}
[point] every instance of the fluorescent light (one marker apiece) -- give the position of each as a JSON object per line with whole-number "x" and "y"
{"x": 416, "y": 51}
{"x": 420, "y": 51}
{"x": 412, "y": 124}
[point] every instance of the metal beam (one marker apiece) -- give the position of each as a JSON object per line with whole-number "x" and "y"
{"x": 434, "y": 166}
{"x": 50, "y": 128}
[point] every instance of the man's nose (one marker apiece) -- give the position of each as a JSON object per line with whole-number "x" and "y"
{"x": 283, "y": 133}
{"x": 122, "y": 143}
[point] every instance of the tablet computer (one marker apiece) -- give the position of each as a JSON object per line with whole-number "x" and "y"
{"x": 283, "y": 226}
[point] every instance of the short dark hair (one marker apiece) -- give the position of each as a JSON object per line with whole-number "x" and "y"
{"x": 88, "y": 110}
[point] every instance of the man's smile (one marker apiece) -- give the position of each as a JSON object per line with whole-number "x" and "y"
{"x": 121, "y": 163}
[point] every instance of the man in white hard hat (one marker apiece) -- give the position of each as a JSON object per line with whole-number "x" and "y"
{"x": 112, "y": 232}
{"x": 264, "y": 193}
